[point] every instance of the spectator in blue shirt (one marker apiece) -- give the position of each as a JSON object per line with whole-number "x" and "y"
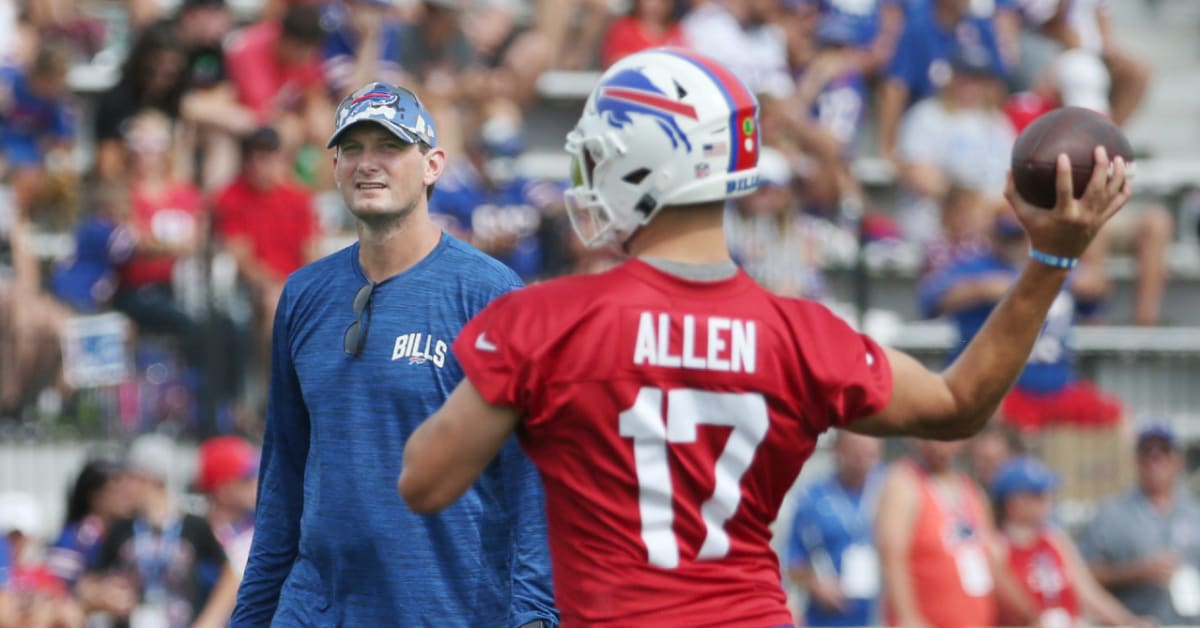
{"x": 36, "y": 121}
{"x": 1049, "y": 389}
{"x": 484, "y": 201}
{"x": 834, "y": 86}
{"x": 87, "y": 280}
{"x": 831, "y": 550}
{"x": 921, "y": 63}
{"x": 101, "y": 495}
{"x": 871, "y": 26}
{"x": 360, "y": 356}
{"x": 363, "y": 44}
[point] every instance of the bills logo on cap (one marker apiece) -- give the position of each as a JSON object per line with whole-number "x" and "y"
{"x": 368, "y": 104}
{"x": 384, "y": 98}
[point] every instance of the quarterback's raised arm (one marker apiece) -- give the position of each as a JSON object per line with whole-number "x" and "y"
{"x": 446, "y": 454}
{"x": 959, "y": 401}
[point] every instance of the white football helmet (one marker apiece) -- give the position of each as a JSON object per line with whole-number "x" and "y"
{"x": 664, "y": 126}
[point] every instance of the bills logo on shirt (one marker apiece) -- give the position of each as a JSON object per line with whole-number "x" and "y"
{"x": 420, "y": 348}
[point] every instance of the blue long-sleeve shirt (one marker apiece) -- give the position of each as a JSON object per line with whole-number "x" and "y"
{"x": 334, "y": 544}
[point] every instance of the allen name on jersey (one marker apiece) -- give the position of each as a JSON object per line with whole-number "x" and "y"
{"x": 730, "y": 346}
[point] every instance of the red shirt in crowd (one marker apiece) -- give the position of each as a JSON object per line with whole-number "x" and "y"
{"x": 278, "y": 222}
{"x": 171, "y": 217}
{"x": 627, "y": 36}
{"x": 1024, "y": 107}
{"x": 1041, "y": 569}
{"x": 264, "y": 82}
{"x": 668, "y": 419}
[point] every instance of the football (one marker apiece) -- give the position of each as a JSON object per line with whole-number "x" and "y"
{"x": 1072, "y": 130}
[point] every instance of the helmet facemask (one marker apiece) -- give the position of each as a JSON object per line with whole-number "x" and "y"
{"x": 593, "y": 209}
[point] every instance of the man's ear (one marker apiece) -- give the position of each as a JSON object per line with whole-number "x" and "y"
{"x": 435, "y": 165}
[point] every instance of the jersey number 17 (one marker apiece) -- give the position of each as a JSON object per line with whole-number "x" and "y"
{"x": 688, "y": 408}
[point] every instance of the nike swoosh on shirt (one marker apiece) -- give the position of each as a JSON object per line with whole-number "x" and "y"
{"x": 481, "y": 343}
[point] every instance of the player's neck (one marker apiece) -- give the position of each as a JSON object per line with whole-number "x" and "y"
{"x": 691, "y": 235}
{"x": 384, "y": 252}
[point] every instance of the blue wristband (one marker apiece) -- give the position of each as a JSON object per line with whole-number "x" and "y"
{"x": 1053, "y": 261}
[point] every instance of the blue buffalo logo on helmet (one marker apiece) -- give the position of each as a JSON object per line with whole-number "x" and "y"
{"x": 630, "y": 92}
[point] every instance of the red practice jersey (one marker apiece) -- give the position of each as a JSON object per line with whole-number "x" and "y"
{"x": 668, "y": 419}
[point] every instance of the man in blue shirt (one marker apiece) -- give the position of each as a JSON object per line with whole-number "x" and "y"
{"x": 871, "y": 27}
{"x": 921, "y": 62}
{"x": 831, "y": 551}
{"x": 482, "y": 198}
{"x": 1049, "y": 389}
{"x": 360, "y": 356}
{"x": 363, "y": 41}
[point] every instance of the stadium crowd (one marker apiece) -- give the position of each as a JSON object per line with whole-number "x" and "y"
{"x": 196, "y": 182}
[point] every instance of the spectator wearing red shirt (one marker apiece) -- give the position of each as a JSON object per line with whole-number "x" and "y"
{"x": 1044, "y": 560}
{"x": 275, "y": 67}
{"x": 648, "y": 24}
{"x": 167, "y": 220}
{"x": 267, "y": 223}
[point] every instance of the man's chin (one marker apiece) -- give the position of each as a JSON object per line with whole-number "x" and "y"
{"x": 379, "y": 214}
{"x": 374, "y": 208}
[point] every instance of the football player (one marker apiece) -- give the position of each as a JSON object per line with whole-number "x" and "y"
{"x": 669, "y": 403}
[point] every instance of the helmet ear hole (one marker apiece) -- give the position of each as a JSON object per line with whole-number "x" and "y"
{"x": 646, "y": 206}
{"x": 637, "y": 176}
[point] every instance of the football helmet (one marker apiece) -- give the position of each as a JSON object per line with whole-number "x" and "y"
{"x": 665, "y": 126}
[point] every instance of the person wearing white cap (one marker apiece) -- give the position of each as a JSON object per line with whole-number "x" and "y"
{"x": 171, "y": 557}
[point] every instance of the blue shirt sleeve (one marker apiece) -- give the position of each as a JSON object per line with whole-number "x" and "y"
{"x": 905, "y": 61}
{"x": 532, "y": 591}
{"x": 5, "y": 562}
{"x": 280, "y": 485}
{"x": 64, "y": 121}
{"x": 798, "y": 553}
{"x": 987, "y": 32}
{"x": 933, "y": 289}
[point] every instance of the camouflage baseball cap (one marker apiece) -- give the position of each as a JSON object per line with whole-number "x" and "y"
{"x": 394, "y": 108}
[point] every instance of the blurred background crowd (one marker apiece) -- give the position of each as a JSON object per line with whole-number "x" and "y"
{"x": 163, "y": 169}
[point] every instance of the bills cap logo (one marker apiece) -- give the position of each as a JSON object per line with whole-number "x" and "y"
{"x": 370, "y": 103}
{"x": 630, "y": 92}
{"x": 395, "y": 108}
{"x": 384, "y": 98}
